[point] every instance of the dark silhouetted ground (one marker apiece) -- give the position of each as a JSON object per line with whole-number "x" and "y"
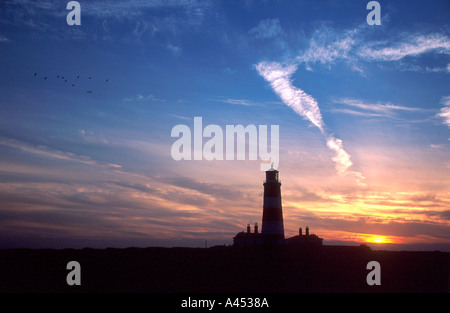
{"x": 223, "y": 270}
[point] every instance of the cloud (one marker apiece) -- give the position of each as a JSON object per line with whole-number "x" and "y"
{"x": 357, "y": 113}
{"x": 377, "y": 109}
{"x": 279, "y": 77}
{"x": 139, "y": 98}
{"x": 91, "y": 137}
{"x": 414, "y": 46}
{"x": 142, "y": 27}
{"x": 133, "y": 8}
{"x": 246, "y": 102}
{"x": 421, "y": 69}
{"x": 342, "y": 158}
{"x": 33, "y": 13}
{"x": 269, "y": 28}
{"x": 399, "y": 228}
{"x": 99, "y": 203}
{"x": 328, "y": 45}
{"x": 406, "y": 215}
{"x": 136, "y": 19}
{"x": 439, "y": 146}
{"x": 48, "y": 152}
{"x": 217, "y": 191}
{"x": 175, "y": 50}
{"x": 243, "y": 102}
{"x": 355, "y": 68}
{"x": 181, "y": 117}
{"x": 445, "y": 111}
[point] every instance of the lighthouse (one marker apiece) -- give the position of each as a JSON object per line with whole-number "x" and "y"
{"x": 272, "y": 221}
{"x": 272, "y": 232}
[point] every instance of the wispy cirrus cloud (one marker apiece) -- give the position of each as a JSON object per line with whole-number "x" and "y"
{"x": 129, "y": 9}
{"x": 445, "y": 110}
{"x": 279, "y": 77}
{"x": 138, "y": 18}
{"x": 48, "y": 152}
{"x": 377, "y": 109}
{"x": 141, "y": 98}
{"x": 423, "y": 69}
{"x": 269, "y": 28}
{"x": 328, "y": 45}
{"x": 341, "y": 158}
{"x": 244, "y": 102}
{"x": 135, "y": 8}
{"x": 303, "y": 104}
{"x": 356, "y": 113}
{"x": 414, "y": 45}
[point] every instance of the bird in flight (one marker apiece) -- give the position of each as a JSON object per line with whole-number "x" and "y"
{"x": 72, "y": 83}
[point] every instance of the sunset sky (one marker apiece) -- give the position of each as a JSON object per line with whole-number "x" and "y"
{"x": 363, "y": 114}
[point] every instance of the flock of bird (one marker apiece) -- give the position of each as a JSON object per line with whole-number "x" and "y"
{"x": 62, "y": 78}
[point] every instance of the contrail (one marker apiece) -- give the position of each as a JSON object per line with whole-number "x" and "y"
{"x": 279, "y": 77}
{"x": 303, "y": 104}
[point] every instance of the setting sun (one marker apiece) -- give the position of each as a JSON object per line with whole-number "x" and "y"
{"x": 378, "y": 239}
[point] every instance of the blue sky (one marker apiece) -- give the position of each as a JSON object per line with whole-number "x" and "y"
{"x": 364, "y": 143}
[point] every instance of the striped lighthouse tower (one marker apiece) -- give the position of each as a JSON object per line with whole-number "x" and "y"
{"x": 272, "y": 222}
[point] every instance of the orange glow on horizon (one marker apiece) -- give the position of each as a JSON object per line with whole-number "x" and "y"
{"x": 379, "y": 239}
{"x": 363, "y": 238}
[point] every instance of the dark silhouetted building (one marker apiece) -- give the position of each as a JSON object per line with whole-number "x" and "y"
{"x": 272, "y": 232}
{"x": 248, "y": 238}
{"x": 306, "y": 239}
